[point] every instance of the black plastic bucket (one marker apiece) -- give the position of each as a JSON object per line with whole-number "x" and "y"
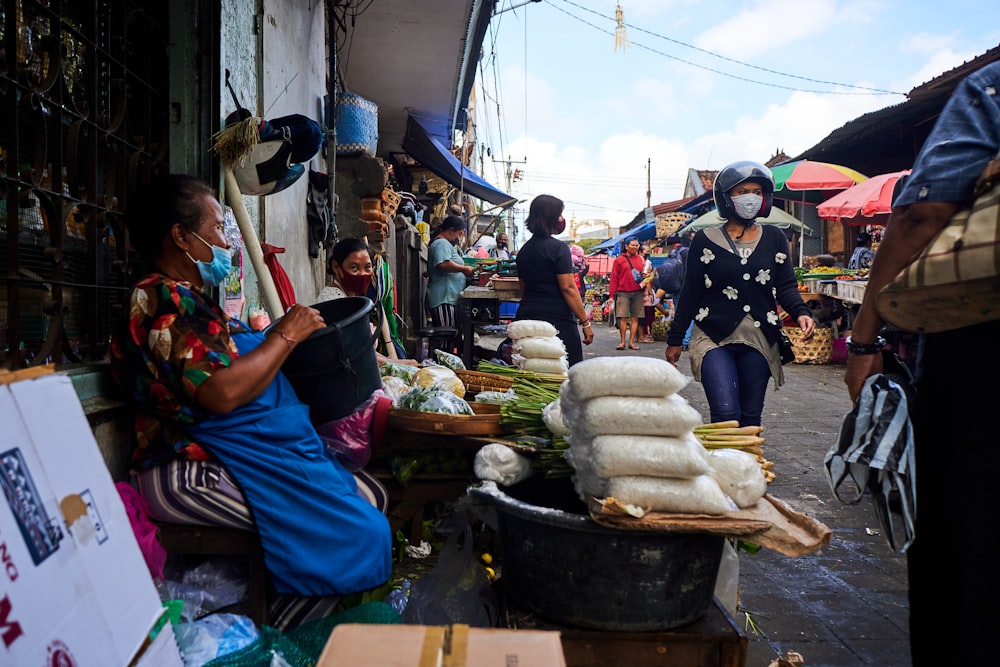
{"x": 569, "y": 569}
{"x": 335, "y": 370}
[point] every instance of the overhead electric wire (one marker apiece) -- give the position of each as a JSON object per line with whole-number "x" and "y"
{"x": 869, "y": 91}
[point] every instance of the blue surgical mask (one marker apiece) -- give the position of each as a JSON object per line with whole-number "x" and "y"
{"x": 747, "y": 206}
{"x": 214, "y": 272}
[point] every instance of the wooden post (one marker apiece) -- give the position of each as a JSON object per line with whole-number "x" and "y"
{"x": 252, "y": 244}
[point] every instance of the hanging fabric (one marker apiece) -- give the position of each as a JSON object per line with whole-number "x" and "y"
{"x": 286, "y": 293}
{"x": 318, "y": 212}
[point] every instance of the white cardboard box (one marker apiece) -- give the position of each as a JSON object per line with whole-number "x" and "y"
{"x": 74, "y": 587}
{"x": 360, "y": 645}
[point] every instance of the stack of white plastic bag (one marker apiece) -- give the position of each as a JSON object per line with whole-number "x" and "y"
{"x": 630, "y": 438}
{"x": 536, "y": 347}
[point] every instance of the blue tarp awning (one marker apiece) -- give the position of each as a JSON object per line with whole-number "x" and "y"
{"x": 642, "y": 232}
{"x": 428, "y": 151}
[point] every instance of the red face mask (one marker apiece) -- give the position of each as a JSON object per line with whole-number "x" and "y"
{"x": 356, "y": 284}
{"x": 560, "y": 227}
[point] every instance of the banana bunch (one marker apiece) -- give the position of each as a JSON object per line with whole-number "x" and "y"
{"x": 731, "y": 434}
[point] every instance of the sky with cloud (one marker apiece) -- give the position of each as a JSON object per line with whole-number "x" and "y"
{"x": 697, "y": 85}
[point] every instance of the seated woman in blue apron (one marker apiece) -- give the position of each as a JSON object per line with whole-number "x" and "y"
{"x": 222, "y": 439}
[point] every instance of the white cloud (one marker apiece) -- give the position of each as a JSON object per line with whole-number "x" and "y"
{"x": 596, "y": 116}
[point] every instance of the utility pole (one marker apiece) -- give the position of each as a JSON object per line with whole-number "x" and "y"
{"x": 512, "y": 175}
{"x": 648, "y": 189}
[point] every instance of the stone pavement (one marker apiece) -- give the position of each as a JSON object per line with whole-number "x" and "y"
{"x": 845, "y": 606}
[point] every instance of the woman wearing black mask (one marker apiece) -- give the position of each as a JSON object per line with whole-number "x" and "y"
{"x": 351, "y": 273}
{"x": 545, "y": 271}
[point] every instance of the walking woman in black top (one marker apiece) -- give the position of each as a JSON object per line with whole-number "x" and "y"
{"x": 736, "y": 276}
{"x": 545, "y": 271}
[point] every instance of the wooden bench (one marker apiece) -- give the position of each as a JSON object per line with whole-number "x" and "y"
{"x": 185, "y": 540}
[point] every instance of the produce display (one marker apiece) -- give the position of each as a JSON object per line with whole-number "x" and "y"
{"x": 434, "y": 398}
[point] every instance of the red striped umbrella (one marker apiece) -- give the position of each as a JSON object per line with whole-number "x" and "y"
{"x": 867, "y": 203}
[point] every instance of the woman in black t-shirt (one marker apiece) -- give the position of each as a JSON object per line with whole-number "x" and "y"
{"x": 545, "y": 270}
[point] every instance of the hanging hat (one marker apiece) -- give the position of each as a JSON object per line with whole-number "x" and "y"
{"x": 265, "y": 155}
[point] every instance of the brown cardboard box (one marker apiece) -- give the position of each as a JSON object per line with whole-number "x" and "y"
{"x": 359, "y": 645}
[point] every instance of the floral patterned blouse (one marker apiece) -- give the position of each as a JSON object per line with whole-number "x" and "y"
{"x": 172, "y": 340}
{"x": 721, "y": 289}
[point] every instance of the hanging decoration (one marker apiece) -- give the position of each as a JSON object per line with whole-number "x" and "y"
{"x": 621, "y": 35}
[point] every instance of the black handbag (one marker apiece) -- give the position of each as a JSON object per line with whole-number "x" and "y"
{"x": 785, "y": 347}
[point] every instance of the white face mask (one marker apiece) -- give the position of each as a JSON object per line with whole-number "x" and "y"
{"x": 747, "y": 206}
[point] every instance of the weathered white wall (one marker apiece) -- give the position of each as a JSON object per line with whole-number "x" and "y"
{"x": 294, "y": 82}
{"x": 238, "y": 48}
{"x": 277, "y": 65}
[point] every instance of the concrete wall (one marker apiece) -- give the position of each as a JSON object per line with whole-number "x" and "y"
{"x": 294, "y": 81}
{"x": 276, "y": 56}
{"x": 238, "y": 49}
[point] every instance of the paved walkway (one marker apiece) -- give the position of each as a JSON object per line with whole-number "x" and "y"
{"x": 845, "y": 606}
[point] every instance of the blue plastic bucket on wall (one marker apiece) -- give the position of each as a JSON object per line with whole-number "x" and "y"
{"x": 335, "y": 370}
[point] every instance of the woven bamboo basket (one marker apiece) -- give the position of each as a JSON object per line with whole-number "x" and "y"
{"x": 817, "y": 350}
{"x": 477, "y": 381}
{"x": 390, "y": 202}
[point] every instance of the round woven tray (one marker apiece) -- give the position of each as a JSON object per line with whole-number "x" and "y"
{"x": 486, "y": 421}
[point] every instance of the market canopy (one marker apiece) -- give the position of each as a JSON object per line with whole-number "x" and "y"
{"x": 642, "y": 232}
{"x": 867, "y": 203}
{"x": 428, "y": 151}
{"x": 777, "y": 217}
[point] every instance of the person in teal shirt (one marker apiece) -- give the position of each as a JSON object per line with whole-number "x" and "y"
{"x": 447, "y": 272}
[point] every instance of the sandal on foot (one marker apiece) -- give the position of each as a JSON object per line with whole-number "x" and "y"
{"x": 620, "y": 347}
{"x": 633, "y": 346}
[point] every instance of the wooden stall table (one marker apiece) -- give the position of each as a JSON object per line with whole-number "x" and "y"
{"x": 479, "y": 306}
{"x": 417, "y": 434}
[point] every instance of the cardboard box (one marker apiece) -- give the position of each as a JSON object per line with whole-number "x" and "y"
{"x": 357, "y": 645}
{"x": 74, "y": 587}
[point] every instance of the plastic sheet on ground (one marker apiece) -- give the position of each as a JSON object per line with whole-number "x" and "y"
{"x": 770, "y": 523}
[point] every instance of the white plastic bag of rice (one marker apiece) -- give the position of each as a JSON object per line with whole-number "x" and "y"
{"x": 738, "y": 474}
{"x": 568, "y": 405}
{"x": 588, "y": 485}
{"x": 625, "y": 376}
{"x": 648, "y": 455}
{"x": 551, "y": 366}
{"x": 552, "y": 416}
{"x": 501, "y": 464}
{"x": 540, "y": 347}
{"x": 530, "y": 328}
{"x": 697, "y": 495}
{"x": 670, "y": 416}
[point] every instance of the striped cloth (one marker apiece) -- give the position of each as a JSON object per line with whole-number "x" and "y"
{"x": 203, "y": 493}
{"x": 875, "y": 449}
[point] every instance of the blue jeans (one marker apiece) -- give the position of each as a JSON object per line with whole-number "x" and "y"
{"x": 735, "y": 379}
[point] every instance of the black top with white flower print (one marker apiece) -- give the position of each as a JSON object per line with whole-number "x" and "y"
{"x": 721, "y": 288}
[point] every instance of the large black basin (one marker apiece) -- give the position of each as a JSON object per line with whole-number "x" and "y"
{"x": 562, "y": 565}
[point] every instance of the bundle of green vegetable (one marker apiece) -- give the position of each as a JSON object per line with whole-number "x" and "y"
{"x": 523, "y": 413}
{"x": 550, "y": 381}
